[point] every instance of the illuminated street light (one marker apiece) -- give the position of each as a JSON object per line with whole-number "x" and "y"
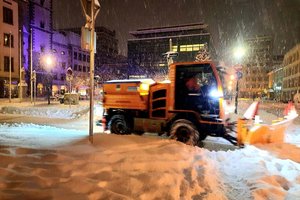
{"x": 48, "y": 61}
{"x": 232, "y": 77}
{"x": 239, "y": 52}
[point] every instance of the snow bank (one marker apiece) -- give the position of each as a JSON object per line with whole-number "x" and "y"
{"x": 37, "y": 136}
{"x": 49, "y": 112}
{"x": 135, "y": 167}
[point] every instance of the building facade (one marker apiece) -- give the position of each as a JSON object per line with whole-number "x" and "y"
{"x": 106, "y": 45}
{"x": 256, "y": 66}
{"x": 149, "y": 45}
{"x": 9, "y": 48}
{"x": 37, "y": 39}
{"x": 291, "y": 71}
{"x": 68, "y": 54}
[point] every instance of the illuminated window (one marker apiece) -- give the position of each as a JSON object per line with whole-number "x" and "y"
{"x": 174, "y": 48}
{"x": 182, "y": 48}
{"x": 162, "y": 64}
{"x": 189, "y": 47}
{"x": 8, "y": 40}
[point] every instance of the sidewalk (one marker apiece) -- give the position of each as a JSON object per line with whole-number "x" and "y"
{"x": 40, "y": 102}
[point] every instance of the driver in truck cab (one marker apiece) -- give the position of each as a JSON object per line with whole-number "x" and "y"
{"x": 198, "y": 93}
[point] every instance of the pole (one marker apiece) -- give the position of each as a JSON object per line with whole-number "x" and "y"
{"x": 34, "y": 86}
{"x": 92, "y": 58}
{"x": 236, "y": 96}
{"x": 20, "y": 63}
{"x": 70, "y": 93}
{"x": 10, "y": 67}
{"x": 31, "y": 86}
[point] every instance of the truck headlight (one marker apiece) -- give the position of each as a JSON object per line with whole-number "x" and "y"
{"x": 215, "y": 93}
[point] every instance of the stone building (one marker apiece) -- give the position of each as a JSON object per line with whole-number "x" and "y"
{"x": 291, "y": 73}
{"x": 257, "y": 65}
{"x": 9, "y": 48}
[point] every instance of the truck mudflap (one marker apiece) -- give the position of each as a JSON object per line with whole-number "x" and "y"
{"x": 251, "y": 131}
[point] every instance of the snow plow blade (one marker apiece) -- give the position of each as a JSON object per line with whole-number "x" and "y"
{"x": 254, "y": 132}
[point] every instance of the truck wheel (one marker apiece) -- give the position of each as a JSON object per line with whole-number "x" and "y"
{"x": 184, "y": 131}
{"x": 119, "y": 125}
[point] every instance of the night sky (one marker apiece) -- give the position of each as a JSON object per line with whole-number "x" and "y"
{"x": 230, "y": 21}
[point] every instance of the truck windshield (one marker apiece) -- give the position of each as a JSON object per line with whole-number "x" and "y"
{"x": 193, "y": 85}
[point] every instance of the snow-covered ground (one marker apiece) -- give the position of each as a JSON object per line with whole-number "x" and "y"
{"x": 51, "y": 162}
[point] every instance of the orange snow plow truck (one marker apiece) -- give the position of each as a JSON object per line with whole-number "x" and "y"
{"x": 187, "y": 107}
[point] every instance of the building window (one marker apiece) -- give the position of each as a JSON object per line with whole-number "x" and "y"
{"x": 42, "y": 2}
{"x": 63, "y": 65}
{"x": 75, "y": 67}
{"x": 190, "y": 47}
{"x": 42, "y": 24}
{"x": 42, "y": 47}
{"x": 174, "y": 48}
{"x": 62, "y": 77}
{"x": 84, "y": 68}
{"x": 55, "y": 76}
{"x": 7, "y": 15}
{"x": 75, "y": 55}
{"x": 8, "y": 41}
{"x": 84, "y": 57}
{"x": 79, "y": 56}
{"x": 6, "y": 64}
{"x": 88, "y": 58}
{"x": 80, "y": 68}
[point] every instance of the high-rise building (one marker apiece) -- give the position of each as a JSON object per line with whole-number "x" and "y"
{"x": 149, "y": 45}
{"x": 9, "y": 48}
{"x": 291, "y": 73}
{"x": 257, "y": 65}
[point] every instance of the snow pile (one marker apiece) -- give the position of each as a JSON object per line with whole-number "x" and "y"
{"x": 293, "y": 135}
{"x": 49, "y": 112}
{"x": 37, "y": 136}
{"x": 252, "y": 173}
{"x": 134, "y": 167}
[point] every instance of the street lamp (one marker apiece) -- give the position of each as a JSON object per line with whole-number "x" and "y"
{"x": 238, "y": 54}
{"x": 91, "y": 9}
{"x": 10, "y": 67}
{"x": 34, "y": 85}
{"x": 48, "y": 62}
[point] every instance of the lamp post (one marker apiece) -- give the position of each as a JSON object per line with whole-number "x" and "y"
{"x": 34, "y": 85}
{"x": 21, "y": 68}
{"x": 238, "y": 53}
{"x": 10, "y": 67}
{"x": 48, "y": 63}
{"x": 31, "y": 86}
{"x": 91, "y": 9}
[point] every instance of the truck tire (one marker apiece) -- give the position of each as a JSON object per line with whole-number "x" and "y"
{"x": 119, "y": 125}
{"x": 184, "y": 131}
